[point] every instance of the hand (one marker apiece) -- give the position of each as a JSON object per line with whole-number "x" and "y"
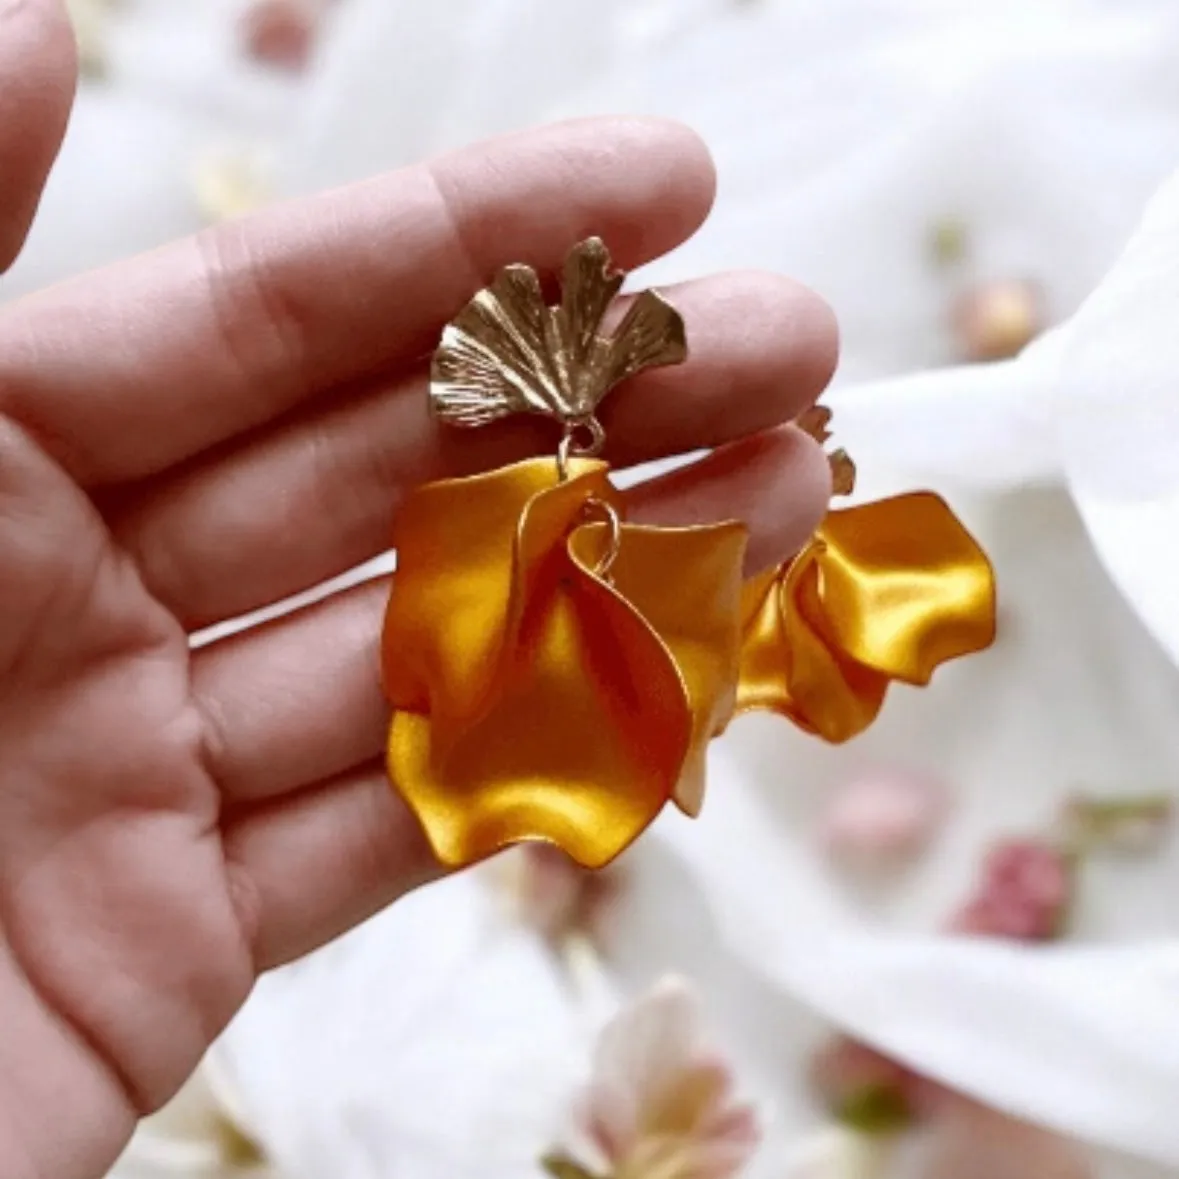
{"x": 200, "y": 432}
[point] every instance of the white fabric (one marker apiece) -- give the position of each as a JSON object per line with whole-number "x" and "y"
{"x": 843, "y": 132}
{"x": 400, "y": 80}
{"x": 177, "y": 89}
{"x": 440, "y": 1038}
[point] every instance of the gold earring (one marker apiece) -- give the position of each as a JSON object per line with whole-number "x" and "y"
{"x": 885, "y": 592}
{"x": 555, "y": 672}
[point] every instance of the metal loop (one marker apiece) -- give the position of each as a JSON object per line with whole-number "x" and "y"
{"x": 608, "y": 516}
{"x": 571, "y": 447}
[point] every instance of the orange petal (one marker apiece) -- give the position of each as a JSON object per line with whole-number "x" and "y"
{"x": 448, "y": 617}
{"x": 886, "y": 591}
{"x": 686, "y": 583}
{"x": 581, "y": 746}
{"x": 905, "y": 587}
{"x": 789, "y": 665}
{"x": 533, "y": 700}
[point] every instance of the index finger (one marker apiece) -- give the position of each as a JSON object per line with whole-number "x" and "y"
{"x": 126, "y": 372}
{"x": 37, "y": 74}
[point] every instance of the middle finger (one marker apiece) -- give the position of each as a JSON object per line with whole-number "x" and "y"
{"x": 315, "y": 497}
{"x": 299, "y": 701}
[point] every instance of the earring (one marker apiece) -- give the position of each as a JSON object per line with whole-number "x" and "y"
{"x": 555, "y": 672}
{"x": 884, "y": 592}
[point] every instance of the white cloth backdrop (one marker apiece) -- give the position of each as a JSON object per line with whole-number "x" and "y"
{"x": 843, "y": 132}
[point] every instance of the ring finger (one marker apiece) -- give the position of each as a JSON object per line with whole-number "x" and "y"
{"x": 299, "y": 701}
{"x": 316, "y": 496}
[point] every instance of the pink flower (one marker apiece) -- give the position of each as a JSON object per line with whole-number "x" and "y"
{"x": 883, "y": 816}
{"x": 970, "y": 1141}
{"x": 1024, "y": 894}
{"x": 997, "y": 320}
{"x": 661, "y": 1104}
{"x": 281, "y": 33}
{"x": 558, "y": 898}
{"x": 863, "y": 1088}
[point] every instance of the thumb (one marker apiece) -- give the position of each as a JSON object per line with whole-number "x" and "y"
{"x": 38, "y": 73}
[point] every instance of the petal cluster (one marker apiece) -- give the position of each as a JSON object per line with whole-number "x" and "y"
{"x": 537, "y": 696}
{"x": 887, "y": 591}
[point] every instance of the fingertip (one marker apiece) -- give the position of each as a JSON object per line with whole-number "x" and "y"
{"x": 798, "y": 497}
{"x": 762, "y": 348}
{"x": 764, "y": 305}
{"x": 781, "y": 485}
{"x": 680, "y": 169}
{"x": 818, "y": 327}
{"x": 645, "y": 184}
{"x": 778, "y": 483}
{"x": 38, "y": 76}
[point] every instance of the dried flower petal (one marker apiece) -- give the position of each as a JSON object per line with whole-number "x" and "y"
{"x": 281, "y": 33}
{"x": 1129, "y": 825}
{"x": 973, "y": 1142}
{"x": 661, "y": 1104}
{"x": 1024, "y": 894}
{"x": 882, "y": 817}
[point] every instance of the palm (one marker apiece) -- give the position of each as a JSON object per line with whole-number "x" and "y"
{"x": 119, "y": 926}
{"x": 212, "y": 429}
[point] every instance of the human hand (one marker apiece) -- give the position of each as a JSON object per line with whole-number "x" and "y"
{"x": 206, "y": 430}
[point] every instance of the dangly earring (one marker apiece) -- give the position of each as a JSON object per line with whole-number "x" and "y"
{"x": 555, "y": 672}
{"x": 885, "y": 592}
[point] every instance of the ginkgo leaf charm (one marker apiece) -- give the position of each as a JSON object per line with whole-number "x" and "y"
{"x": 507, "y": 352}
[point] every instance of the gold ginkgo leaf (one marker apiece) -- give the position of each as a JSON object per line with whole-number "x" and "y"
{"x": 816, "y": 422}
{"x": 843, "y": 472}
{"x": 508, "y": 352}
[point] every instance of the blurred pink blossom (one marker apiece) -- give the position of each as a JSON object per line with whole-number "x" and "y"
{"x": 661, "y": 1103}
{"x": 970, "y": 1141}
{"x": 558, "y": 898}
{"x": 1024, "y": 893}
{"x": 883, "y": 816}
{"x": 281, "y": 33}
{"x": 997, "y": 320}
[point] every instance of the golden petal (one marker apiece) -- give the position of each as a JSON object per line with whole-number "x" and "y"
{"x": 532, "y": 701}
{"x": 686, "y": 584}
{"x": 886, "y": 592}
{"x": 448, "y": 617}
{"x": 580, "y": 747}
{"x": 790, "y": 666}
{"x": 906, "y": 588}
